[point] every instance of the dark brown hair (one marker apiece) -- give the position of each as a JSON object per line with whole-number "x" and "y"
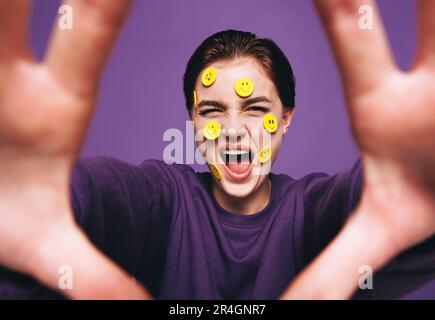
{"x": 235, "y": 44}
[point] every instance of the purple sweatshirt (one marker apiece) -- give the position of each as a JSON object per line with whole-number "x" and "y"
{"x": 162, "y": 224}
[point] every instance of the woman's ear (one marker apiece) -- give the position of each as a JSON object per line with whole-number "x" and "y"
{"x": 287, "y": 117}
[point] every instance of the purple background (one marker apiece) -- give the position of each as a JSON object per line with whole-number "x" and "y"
{"x": 141, "y": 92}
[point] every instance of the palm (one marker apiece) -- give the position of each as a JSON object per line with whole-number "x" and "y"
{"x": 40, "y": 127}
{"x": 392, "y": 115}
{"x": 39, "y": 112}
{"x": 396, "y": 118}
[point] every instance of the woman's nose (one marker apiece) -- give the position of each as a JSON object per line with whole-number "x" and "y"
{"x": 234, "y": 131}
{"x": 234, "y": 128}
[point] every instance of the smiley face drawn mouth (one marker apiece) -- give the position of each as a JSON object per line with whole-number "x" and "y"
{"x": 211, "y": 131}
{"x": 272, "y": 124}
{"x": 245, "y": 86}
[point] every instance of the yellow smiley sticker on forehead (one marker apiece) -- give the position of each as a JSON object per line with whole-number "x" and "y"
{"x": 212, "y": 130}
{"x": 208, "y": 76}
{"x": 244, "y": 87}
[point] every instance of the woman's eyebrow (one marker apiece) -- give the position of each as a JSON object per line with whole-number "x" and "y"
{"x": 211, "y": 103}
{"x": 255, "y": 100}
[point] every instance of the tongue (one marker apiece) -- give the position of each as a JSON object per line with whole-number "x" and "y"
{"x": 238, "y": 168}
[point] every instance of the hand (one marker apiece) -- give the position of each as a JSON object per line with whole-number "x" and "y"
{"x": 393, "y": 120}
{"x": 45, "y": 109}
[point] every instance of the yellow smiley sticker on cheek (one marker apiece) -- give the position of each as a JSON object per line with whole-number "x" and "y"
{"x": 216, "y": 172}
{"x": 265, "y": 154}
{"x": 212, "y": 130}
{"x": 208, "y": 76}
{"x": 244, "y": 87}
{"x": 270, "y": 123}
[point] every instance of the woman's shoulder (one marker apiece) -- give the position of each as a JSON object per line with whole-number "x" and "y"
{"x": 108, "y": 170}
{"x": 154, "y": 164}
{"x": 97, "y": 165}
{"x": 286, "y": 182}
{"x": 312, "y": 179}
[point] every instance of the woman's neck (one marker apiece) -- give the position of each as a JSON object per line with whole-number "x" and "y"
{"x": 252, "y": 203}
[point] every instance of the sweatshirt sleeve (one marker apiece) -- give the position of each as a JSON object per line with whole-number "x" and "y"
{"x": 125, "y": 210}
{"x": 328, "y": 202}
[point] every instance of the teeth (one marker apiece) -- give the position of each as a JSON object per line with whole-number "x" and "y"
{"x": 236, "y": 156}
{"x": 235, "y": 152}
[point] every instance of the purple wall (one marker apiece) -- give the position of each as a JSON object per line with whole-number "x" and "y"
{"x": 141, "y": 93}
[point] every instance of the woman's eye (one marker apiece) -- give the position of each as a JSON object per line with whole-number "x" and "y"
{"x": 209, "y": 111}
{"x": 257, "y": 109}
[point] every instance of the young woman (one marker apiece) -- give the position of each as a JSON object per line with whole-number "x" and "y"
{"x": 239, "y": 232}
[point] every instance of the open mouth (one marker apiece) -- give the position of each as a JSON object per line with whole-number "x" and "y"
{"x": 238, "y": 161}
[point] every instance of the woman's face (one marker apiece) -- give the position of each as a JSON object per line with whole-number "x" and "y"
{"x": 244, "y": 141}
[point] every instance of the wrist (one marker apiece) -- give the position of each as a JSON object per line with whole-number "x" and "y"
{"x": 335, "y": 273}
{"x": 371, "y": 237}
{"x": 68, "y": 263}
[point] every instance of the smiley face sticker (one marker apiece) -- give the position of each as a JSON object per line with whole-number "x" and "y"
{"x": 270, "y": 123}
{"x": 215, "y": 170}
{"x": 212, "y": 130}
{"x": 208, "y": 76}
{"x": 264, "y": 155}
{"x": 244, "y": 87}
{"x": 195, "y": 100}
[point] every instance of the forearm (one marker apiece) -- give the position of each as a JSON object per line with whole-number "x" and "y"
{"x": 395, "y": 212}
{"x": 61, "y": 252}
{"x": 68, "y": 253}
{"x": 335, "y": 273}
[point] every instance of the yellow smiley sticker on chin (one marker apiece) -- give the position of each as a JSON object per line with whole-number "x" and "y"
{"x": 212, "y": 130}
{"x": 244, "y": 87}
{"x": 264, "y": 155}
{"x": 215, "y": 170}
{"x": 270, "y": 123}
{"x": 208, "y": 76}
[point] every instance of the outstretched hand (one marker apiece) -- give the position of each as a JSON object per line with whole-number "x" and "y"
{"x": 392, "y": 114}
{"x": 45, "y": 109}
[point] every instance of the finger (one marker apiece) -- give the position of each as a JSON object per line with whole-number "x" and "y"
{"x": 426, "y": 48}
{"x": 14, "y": 19}
{"x": 358, "y": 40}
{"x": 77, "y": 56}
